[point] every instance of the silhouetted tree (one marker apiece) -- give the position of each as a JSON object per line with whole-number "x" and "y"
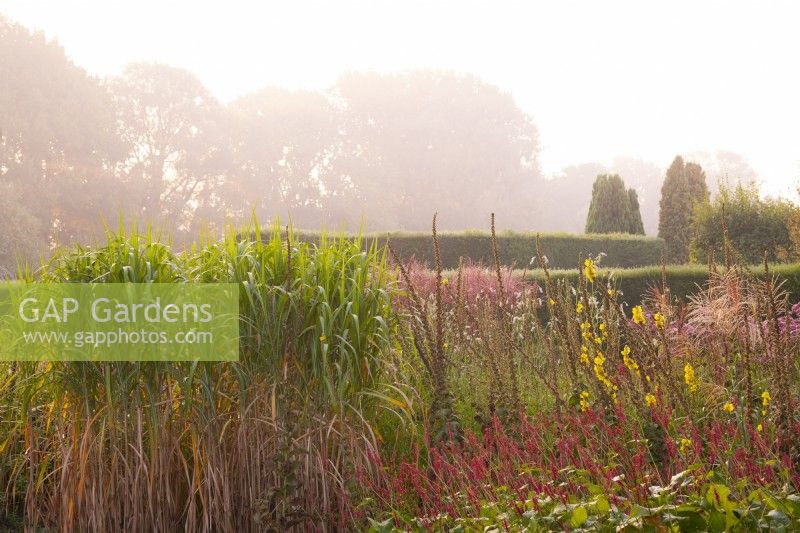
{"x": 684, "y": 186}
{"x": 57, "y": 140}
{"x": 562, "y": 203}
{"x": 610, "y": 210}
{"x": 696, "y": 182}
{"x": 178, "y": 150}
{"x": 285, "y": 145}
{"x": 645, "y": 178}
{"x": 635, "y": 224}
{"x": 422, "y": 142}
{"x": 387, "y": 150}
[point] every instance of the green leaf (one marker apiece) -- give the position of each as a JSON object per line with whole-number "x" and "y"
{"x": 692, "y": 521}
{"x": 601, "y": 505}
{"x": 578, "y": 517}
{"x": 716, "y": 521}
{"x": 717, "y": 496}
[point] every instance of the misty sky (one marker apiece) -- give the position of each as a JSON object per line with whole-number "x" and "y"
{"x": 601, "y": 79}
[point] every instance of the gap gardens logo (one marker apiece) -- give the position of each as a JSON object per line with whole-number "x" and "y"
{"x": 119, "y": 322}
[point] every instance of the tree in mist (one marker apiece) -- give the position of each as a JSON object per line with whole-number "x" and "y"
{"x": 608, "y": 209}
{"x": 562, "y": 202}
{"x": 696, "y": 182}
{"x": 285, "y": 143}
{"x": 422, "y": 142}
{"x": 56, "y": 140}
{"x": 19, "y": 229}
{"x": 684, "y": 187}
{"x": 635, "y": 224}
{"x": 612, "y": 207}
{"x": 645, "y": 178}
{"x": 387, "y": 150}
{"x": 724, "y": 169}
{"x": 175, "y": 134}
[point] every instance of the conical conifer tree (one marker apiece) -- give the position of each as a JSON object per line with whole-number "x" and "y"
{"x": 611, "y": 209}
{"x": 635, "y": 224}
{"x": 684, "y": 186}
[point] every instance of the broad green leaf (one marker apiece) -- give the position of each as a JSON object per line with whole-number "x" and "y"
{"x": 601, "y": 505}
{"x": 578, "y": 517}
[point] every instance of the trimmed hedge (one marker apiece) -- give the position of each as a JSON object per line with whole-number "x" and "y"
{"x": 561, "y": 249}
{"x": 682, "y": 280}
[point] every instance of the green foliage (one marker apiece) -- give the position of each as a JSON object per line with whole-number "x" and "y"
{"x": 318, "y": 337}
{"x": 682, "y": 280}
{"x": 325, "y": 305}
{"x": 315, "y": 325}
{"x": 634, "y": 440}
{"x": 755, "y": 226}
{"x": 613, "y": 209}
{"x": 17, "y": 224}
{"x": 676, "y": 506}
{"x": 684, "y": 186}
{"x": 562, "y": 250}
{"x": 635, "y": 224}
{"x": 56, "y": 139}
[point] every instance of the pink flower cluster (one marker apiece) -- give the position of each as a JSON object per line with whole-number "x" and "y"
{"x": 479, "y": 284}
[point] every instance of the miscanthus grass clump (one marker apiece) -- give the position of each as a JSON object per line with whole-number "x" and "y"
{"x": 268, "y": 443}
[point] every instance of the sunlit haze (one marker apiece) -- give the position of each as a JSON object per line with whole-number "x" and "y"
{"x": 372, "y": 265}
{"x": 600, "y": 79}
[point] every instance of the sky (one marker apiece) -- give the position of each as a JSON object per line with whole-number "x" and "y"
{"x": 601, "y": 79}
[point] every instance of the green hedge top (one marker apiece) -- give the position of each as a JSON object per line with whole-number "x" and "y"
{"x": 518, "y": 249}
{"x": 682, "y": 280}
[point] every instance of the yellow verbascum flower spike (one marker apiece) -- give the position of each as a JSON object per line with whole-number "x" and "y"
{"x": 689, "y": 377}
{"x": 589, "y": 270}
{"x": 638, "y": 315}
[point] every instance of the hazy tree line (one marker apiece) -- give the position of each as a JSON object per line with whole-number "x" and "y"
{"x": 154, "y": 145}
